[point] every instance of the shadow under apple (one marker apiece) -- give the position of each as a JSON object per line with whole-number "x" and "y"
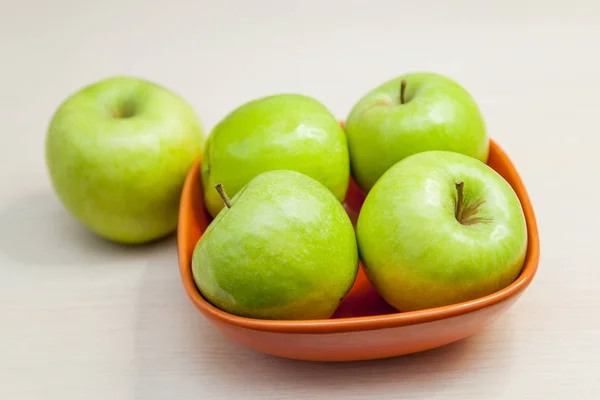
{"x": 36, "y": 229}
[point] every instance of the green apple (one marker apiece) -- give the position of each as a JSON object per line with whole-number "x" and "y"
{"x": 117, "y": 153}
{"x": 282, "y": 248}
{"x": 284, "y": 131}
{"x": 410, "y": 114}
{"x": 440, "y": 228}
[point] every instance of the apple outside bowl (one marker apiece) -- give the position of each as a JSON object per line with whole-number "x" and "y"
{"x": 364, "y": 326}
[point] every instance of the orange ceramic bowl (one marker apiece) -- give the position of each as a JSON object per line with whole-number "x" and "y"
{"x": 364, "y": 326}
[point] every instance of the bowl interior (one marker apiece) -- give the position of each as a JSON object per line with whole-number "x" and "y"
{"x": 362, "y": 308}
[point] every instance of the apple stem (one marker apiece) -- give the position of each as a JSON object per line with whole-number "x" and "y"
{"x": 402, "y": 91}
{"x": 459, "y": 200}
{"x": 223, "y": 195}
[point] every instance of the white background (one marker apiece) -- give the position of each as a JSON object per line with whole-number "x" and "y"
{"x": 83, "y": 319}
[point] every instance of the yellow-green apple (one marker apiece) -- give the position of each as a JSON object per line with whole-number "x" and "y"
{"x": 440, "y": 228}
{"x": 284, "y": 131}
{"x": 409, "y": 114}
{"x": 117, "y": 153}
{"x": 282, "y": 248}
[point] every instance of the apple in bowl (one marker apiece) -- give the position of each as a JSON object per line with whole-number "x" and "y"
{"x": 441, "y": 228}
{"x": 410, "y": 114}
{"x": 364, "y": 326}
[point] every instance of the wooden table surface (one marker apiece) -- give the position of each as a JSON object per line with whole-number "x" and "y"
{"x": 84, "y": 319}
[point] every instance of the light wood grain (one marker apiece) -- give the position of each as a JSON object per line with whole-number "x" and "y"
{"x": 84, "y": 319}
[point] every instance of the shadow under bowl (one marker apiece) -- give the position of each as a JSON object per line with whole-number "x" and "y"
{"x": 364, "y": 326}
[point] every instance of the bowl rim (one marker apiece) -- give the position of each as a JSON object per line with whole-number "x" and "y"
{"x": 352, "y": 324}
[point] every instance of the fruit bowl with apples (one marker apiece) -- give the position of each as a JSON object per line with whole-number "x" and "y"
{"x": 404, "y": 229}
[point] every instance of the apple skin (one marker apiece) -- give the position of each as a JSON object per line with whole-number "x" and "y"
{"x": 118, "y": 151}
{"x": 284, "y": 131}
{"x": 415, "y": 251}
{"x": 286, "y": 249}
{"x": 438, "y": 114}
